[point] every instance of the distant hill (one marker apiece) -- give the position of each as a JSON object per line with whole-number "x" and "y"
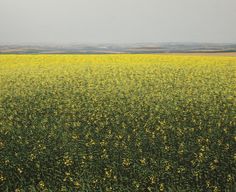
{"x": 114, "y": 48}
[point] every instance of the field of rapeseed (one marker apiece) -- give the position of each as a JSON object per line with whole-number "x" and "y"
{"x": 117, "y": 123}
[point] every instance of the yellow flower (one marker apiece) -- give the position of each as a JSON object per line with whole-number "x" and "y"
{"x": 136, "y": 184}
{"x": 126, "y": 162}
{"x": 20, "y": 170}
{"x": 41, "y": 184}
{"x": 108, "y": 172}
{"x": 229, "y": 178}
{"x": 1, "y": 145}
{"x": 63, "y": 189}
{"x": 216, "y": 189}
{"x": 32, "y": 156}
{"x": 143, "y": 161}
{"x": 162, "y": 188}
{"x": 226, "y": 146}
{"x": 77, "y": 184}
{"x": 75, "y": 136}
{"x": 152, "y": 179}
{"x": 212, "y": 166}
{"x": 2, "y": 177}
{"x": 67, "y": 160}
{"x": 208, "y": 183}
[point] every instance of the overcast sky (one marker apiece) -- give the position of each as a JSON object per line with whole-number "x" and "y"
{"x": 117, "y": 21}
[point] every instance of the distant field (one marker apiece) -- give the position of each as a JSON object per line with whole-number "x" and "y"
{"x": 148, "y": 48}
{"x": 117, "y": 123}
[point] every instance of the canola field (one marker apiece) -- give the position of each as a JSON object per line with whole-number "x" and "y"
{"x": 122, "y": 123}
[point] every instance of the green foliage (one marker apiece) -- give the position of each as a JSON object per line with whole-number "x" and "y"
{"x": 117, "y": 123}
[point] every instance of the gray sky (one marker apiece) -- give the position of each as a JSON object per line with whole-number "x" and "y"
{"x": 117, "y": 21}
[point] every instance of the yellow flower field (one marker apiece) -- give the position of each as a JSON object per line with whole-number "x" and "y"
{"x": 117, "y": 123}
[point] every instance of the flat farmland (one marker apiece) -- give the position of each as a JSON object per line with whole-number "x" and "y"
{"x": 123, "y": 122}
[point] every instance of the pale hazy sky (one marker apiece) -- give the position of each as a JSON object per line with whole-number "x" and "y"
{"x": 117, "y": 21}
